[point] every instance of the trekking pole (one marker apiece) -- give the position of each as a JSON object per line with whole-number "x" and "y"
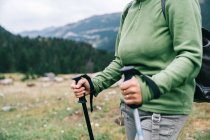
{"x": 83, "y": 101}
{"x": 129, "y": 72}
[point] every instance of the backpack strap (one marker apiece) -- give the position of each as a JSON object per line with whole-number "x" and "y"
{"x": 125, "y": 12}
{"x": 163, "y": 3}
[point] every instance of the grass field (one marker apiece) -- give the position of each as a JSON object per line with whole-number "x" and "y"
{"x": 49, "y": 111}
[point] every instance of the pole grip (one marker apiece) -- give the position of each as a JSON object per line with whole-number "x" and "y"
{"x": 129, "y": 72}
{"x": 81, "y": 99}
{"x": 128, "y": 76}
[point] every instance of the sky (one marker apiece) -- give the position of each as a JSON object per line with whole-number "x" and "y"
{"x": 26, "y": 15}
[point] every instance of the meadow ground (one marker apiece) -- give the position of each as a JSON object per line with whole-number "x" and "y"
{"x": 49, "y": 111}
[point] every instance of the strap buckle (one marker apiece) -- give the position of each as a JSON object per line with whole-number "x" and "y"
{"x": 156, "y": 118}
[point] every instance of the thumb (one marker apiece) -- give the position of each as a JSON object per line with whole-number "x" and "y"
{"x": 81, "y": 83}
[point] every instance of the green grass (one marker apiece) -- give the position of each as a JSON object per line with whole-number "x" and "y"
{"x": 202, "y": 135}
{"x": 49, "y": 111}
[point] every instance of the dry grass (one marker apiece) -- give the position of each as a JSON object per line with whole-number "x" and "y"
{"x": 49, "y": 111}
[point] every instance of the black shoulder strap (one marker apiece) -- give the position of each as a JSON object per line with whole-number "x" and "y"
{"x": 163, "y": 3}
{"x": 125, "y": 12}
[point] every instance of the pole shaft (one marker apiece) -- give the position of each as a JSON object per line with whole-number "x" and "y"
{"x": 139, "y": 134}
{"x": 87, "y": 119}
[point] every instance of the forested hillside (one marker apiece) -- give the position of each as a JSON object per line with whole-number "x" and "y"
{"x": 101, "y": 30}
{"x": 205, "y": 9}
{"x": 40, "y": 55}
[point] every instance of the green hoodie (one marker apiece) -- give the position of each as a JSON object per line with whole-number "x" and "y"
{"x": 168, "y": 49}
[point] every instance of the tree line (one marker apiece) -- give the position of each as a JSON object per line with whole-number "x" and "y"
{"x": 41, "y": 55}
{"x": 205, "y": 10}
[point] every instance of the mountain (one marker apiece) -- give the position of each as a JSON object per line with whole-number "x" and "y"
{"x": 40, "y": 55}
{"x": 5, "y": 33}
{"x": 100, "y": 31}
{"x": 205, "y": 10}
{"x": 2, "y": 29}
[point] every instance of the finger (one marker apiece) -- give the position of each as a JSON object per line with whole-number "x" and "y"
{"x": 130, "y": 102}
{"x": 80, "y": 83}
{"x": 124, "y": 92}
{"x": 129, "y": 97}
{"x": 133, "y": 100}
{"x": 130, "y": 90}
{"x": 78, "y": 90}
{"x": 73, "y": 84}
{"x": 80, "y": 94}
{"x": 125, "y": 85}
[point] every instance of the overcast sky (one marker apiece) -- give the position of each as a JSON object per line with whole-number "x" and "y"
{"x": 21, "y": 15}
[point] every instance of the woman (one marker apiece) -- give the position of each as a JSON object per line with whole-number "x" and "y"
{"x": 168, "y": 50}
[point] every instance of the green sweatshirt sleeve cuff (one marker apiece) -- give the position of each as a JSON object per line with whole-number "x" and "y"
{"x": 96, "y": 88}
{"x": 146, "y": 92}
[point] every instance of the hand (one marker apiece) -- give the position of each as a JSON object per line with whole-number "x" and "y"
{"x": 131, "y": 91}
{"x": 82, "y": 88}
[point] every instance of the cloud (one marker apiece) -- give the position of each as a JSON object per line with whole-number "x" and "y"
{"x": 20, "y": 15}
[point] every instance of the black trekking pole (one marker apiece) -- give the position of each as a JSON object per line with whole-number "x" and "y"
{"x": 129, "y": 72}
{"x": 83, "y": 101}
